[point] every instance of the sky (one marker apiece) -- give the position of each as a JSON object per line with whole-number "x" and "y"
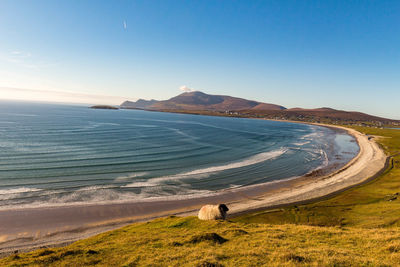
{"x": 310, "y": 54}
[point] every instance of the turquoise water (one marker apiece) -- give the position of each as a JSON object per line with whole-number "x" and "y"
{"x": 53, "y": 155}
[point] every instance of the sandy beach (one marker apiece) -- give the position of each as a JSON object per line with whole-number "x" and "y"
{"x": 370, "y": 160}
{"x": 27, "y": 229}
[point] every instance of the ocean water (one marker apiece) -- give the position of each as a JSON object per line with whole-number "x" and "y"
{"x": 53, "y": 155}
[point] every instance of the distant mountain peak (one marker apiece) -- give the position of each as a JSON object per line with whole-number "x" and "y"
{"x": 197, "y": 100}
{"x": 139, "y": 104}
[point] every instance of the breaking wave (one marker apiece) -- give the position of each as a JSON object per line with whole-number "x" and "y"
{"x": 204, "y": 172}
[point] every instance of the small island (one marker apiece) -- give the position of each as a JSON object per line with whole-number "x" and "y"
{"x": 104, "y": 107}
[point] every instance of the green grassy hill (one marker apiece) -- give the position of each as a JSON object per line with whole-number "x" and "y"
{"x": 359, "y": 227}
{"x": 190, "y": 242}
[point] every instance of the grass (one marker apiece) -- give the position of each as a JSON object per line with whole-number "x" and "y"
{"x": 190, "y": 242}
{"x": 359, "y": 227}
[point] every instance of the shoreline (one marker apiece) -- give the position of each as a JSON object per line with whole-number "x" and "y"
{"x": 63, "y": 225}
{"x": 370, "y": 162}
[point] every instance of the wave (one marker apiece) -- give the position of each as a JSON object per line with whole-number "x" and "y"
{"x": 93, "y": 125}
{"x": 205, "y": 172}
{"x": 250, "y": 161}
{"x": 105, "y": 195}
{"x": 6, "y": 194}
{"x": 151, "y": 190}
{"x": 20, "y": 114}
{"x": 301, "y": 143}
{"x": 18, "y": 190}
{"x": 197, "y": 123}
{"x": 325, "y": 157}
{"x": 130, "y": 176}
{"x": 316, "y": 133}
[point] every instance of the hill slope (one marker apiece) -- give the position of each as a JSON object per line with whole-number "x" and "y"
{"x": 200, "y": 101}
{"x": 140, "y": 104}
{"x": 190, "y": 242}
{"x": 327, "y": 115}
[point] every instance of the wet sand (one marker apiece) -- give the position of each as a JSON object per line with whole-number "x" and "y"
{"x": 27, "y": 229}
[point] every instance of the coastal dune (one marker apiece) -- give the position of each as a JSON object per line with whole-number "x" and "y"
{"x": 27, "y": 229}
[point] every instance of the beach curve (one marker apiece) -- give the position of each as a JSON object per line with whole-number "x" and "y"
{"x": 369, "y": 161}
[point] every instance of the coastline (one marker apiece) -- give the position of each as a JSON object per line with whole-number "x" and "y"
{"x": 61, "y": 226}
{"x": 370, "y": 161}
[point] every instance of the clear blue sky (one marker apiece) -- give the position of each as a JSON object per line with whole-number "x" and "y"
{"x": 341, "y": 54}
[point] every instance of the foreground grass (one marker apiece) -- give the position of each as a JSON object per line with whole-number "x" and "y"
{"x": 190, "y": 242}
{"x": 359, "y": 227}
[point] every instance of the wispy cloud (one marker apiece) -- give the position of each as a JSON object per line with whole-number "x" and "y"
{"x": 125, "y": 25}
{"x": 58, "y": 96}
{"x": 20, "y": 54}
{"x": 24, "y": 59}
{"x": 184, "y": 88}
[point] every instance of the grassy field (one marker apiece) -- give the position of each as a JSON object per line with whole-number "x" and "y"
{"x": 191, "y": 242}
{"x": 359, "y": 227}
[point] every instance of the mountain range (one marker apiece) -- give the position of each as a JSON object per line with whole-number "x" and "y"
{"x": 201, "y": 103}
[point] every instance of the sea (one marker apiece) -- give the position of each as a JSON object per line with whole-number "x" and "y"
{"x": 56, "y": 155}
